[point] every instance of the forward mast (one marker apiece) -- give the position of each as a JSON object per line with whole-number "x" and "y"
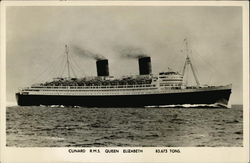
{"x": 189, "y": 63}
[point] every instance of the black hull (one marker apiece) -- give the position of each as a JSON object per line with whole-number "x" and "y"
{"x": 203, "y": 97}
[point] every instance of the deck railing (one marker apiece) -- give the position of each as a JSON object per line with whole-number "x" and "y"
{"x": 92, "y": 87}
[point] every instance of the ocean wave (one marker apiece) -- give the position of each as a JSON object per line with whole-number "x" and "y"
{"x": 189, "y": 106}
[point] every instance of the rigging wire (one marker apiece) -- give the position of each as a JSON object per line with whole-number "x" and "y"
{"x": 63, "y": 69}
{"x": 73, "y": 71}
{"x": 61, "y": 62}
{"x": 55, "y": 69}
{"x": 193, "y": 65}
{"x": 76, "y": 65}
{"x": 71, "y": 66}
{"x": 209, "y": 67}
{"x": 192, "y": 62}
{"x": 41, "y": 75}
{"x": 176, "y": 57}
{"x": 176, "y": 62}
{"x": 187, "y": 76}
{"x": 65, "y": 61}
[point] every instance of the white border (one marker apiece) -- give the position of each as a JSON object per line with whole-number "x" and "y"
{"x": 193, "y": 154}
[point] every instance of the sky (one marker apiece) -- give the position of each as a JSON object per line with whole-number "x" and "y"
{"x": 36, "y": 38}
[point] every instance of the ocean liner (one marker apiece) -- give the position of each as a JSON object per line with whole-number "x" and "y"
{"x": 143, "y": 90}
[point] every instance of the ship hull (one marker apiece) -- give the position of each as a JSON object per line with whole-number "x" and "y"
{"x": 200, "y": 97}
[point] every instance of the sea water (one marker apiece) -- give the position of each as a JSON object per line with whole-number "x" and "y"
{"x": 38, "y": 126}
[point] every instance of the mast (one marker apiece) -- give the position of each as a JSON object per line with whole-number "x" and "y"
{"x": 67, "y": 53}
{"x": 188, "y": 62}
